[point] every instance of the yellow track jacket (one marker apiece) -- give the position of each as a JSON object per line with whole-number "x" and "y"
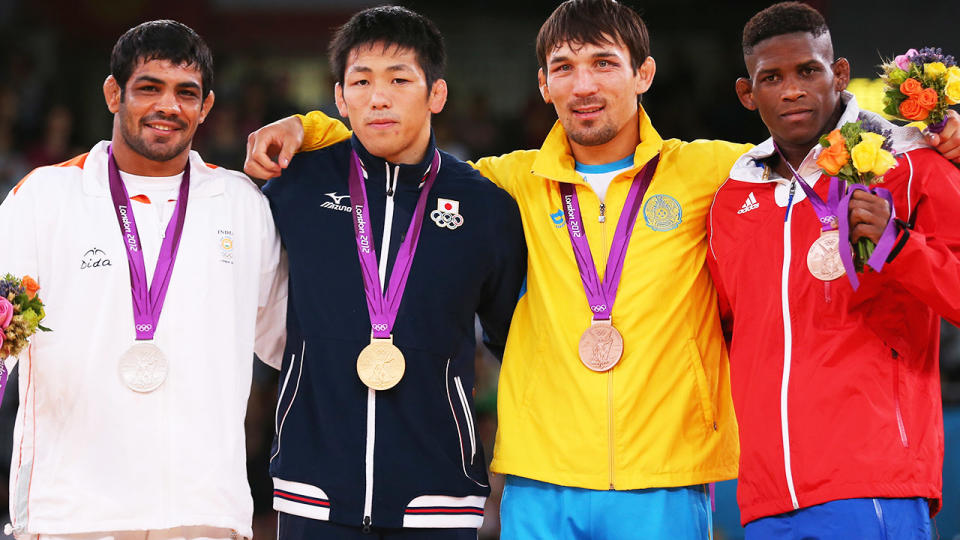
{"x": 663, "y": 417}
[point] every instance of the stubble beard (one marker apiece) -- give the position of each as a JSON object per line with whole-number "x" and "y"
{"x": 156, "y": 152}
{"x": 593, "y": 136}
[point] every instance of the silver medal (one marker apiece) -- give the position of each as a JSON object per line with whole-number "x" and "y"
{"x": 143, "y": 367}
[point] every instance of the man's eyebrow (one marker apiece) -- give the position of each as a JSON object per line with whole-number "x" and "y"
{"x": 148, "y": 78}
{"x": 598, "y": 54}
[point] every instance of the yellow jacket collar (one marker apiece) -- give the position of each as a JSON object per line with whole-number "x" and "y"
{"x": 555, "y": 159}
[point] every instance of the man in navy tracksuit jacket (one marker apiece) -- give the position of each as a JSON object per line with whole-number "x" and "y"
{"x": 347, "y": 459}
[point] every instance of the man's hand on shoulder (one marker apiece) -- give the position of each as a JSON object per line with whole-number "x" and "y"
{"x": 270, "y": 148}
{"x": 947, "y": 142}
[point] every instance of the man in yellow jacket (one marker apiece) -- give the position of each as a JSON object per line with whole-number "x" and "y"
{"x": 596, "y": 445}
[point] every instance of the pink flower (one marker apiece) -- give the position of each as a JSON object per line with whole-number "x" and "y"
{"x": 903, "y": 60}
{"x": 6, "y": 314}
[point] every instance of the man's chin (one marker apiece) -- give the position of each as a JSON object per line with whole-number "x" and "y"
{"x": 592, "y": 137}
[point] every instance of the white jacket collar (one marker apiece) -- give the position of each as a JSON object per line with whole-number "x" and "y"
{"x": 204, "y": 182}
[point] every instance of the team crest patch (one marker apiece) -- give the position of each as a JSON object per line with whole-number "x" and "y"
{"x": 447, "y": 214}
{"x": 662, "y": 213}
{"x": 225, "y": 241}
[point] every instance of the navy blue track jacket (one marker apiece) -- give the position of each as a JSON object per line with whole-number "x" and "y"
{"x": 408, "y": 456}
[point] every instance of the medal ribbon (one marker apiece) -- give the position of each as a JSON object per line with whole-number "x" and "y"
{"x": 601, "y": 295}
{"x": 147, "y": 304}
{"x": 835, "y": 214}
{"x": 828, "y": 211}
{"x": 383, "y": 306}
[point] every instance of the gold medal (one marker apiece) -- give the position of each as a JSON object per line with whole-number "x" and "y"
{"x": 823, "y": 258}
{"x": 601, "y": 346}
{"x": 380, "y": 364}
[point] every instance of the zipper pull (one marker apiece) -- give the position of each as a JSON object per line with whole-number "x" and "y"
{"x": 793, "y": 189}
{"x": 366, "y": 524}
{"x": 603, "y": 212}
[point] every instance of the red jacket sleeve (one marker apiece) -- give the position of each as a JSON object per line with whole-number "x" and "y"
{"x": 928, "y": 261}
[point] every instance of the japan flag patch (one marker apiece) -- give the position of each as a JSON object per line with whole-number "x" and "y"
{"x": 447, "y": 214}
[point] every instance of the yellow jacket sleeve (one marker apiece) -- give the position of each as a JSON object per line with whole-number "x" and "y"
{"x": 319, "y": 131}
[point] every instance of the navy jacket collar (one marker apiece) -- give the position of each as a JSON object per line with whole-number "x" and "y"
{"x": 409, "y": 175}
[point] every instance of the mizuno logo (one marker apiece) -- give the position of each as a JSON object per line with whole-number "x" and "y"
{"x": 335, "y": 205}
{"x": 750, "y": 204}
{"x": 336, "y": 198}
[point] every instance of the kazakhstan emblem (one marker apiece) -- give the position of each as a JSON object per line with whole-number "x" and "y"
{"x": 662, "y": 213}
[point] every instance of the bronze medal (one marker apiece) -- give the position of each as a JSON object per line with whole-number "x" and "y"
{"x": 823, "y": 258}
{"x": 380, "y": 364}
{"x": 601, "y": 346}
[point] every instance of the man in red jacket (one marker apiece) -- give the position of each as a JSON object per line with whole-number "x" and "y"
{"x": 837, "y": 391}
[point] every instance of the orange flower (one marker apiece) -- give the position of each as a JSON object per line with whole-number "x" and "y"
{"x": 911, "y": 110}
{"x": 911, "y": 87}
{"x": 835, "y": 156}
{"x": 31, "y": 286}
{"x": 928, "y": 99}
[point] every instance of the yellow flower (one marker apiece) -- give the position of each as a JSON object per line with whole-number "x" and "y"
{"x": 934, "y": 69}
{"x": 953, "y": 71}
{"x": 869, "y": 157}
{"x": 952, "y": 90}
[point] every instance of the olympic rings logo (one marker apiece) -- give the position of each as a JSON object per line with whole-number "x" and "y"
{"x": 379, "y": 327}
{"x": 449, "y": 220}
{"x": 144, "y": 327}
{"x": 598, "y": 308}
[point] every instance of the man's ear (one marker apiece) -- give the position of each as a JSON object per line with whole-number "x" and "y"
{"x": 841, "y": 74}
{"x": 745, "y": 93}
{"x": 112, "y": 94}
{"x": 207, "y": 105}
{"x": 338, "y": 98}
{"x": 438, "y": 96}
{"x": 646, "y": 71}
{"x": 542, "y": 83}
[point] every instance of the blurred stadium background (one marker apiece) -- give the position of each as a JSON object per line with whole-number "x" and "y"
{"x": 270, "y": 62}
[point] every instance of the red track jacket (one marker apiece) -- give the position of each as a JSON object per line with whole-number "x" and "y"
{"x": 837, "y": 393}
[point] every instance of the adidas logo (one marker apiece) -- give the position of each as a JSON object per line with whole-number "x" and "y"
{"x": 750, "y": 204}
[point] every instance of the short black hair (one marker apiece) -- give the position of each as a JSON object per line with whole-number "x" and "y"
{"x": 391, "y": 26}
{"x": 161, "y": 40}
{"x": 594, "y": 22}
{"x": 780, "y": 19}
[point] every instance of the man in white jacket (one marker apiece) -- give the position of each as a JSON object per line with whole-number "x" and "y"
{"x": 161, "y": 275}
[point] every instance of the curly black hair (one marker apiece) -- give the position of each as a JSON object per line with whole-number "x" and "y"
{"x": 780, "y": 19}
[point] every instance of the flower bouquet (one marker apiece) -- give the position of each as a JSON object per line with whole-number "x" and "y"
{"x": 21, "y": 312}
{"x": 920, "y": 86}
{"x": 859, "y": 154}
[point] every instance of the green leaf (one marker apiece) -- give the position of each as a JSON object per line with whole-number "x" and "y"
{"x": 850, "y": 132}
{"x": 824, "y": 142}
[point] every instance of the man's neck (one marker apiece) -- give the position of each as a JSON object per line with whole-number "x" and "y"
{"x": 796, "y": 153}
{"x": 129, "y": 161}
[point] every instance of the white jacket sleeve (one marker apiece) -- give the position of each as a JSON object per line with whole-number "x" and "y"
{"x": 18, "y": 229}
{"x": 271, "y": 332}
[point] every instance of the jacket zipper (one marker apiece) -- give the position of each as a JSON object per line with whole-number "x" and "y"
{"x": 787, "y": 347}
{"x": 469, "y": 417}
{"x": 602, "y": 219}
{"x": 371, "y": 393}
